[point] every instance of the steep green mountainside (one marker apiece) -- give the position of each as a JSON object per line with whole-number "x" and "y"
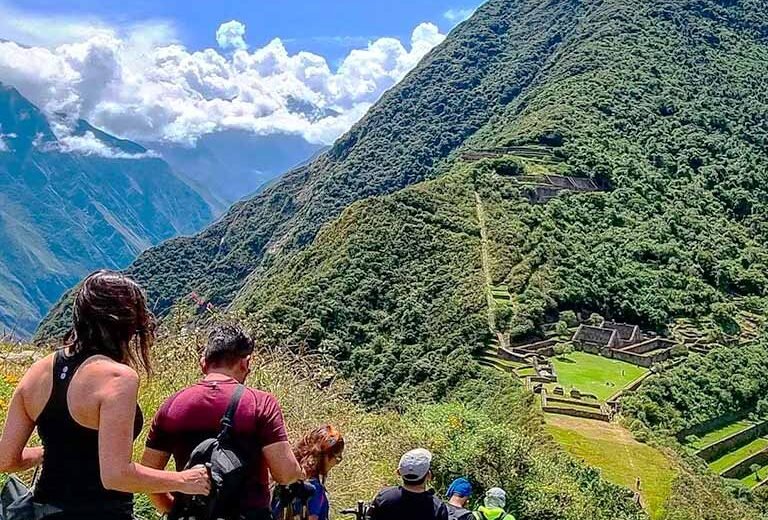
{"x": 669, "y": 123}
{"x": 65, "y": 214}
{"x": 393, "y": 289}
{"x": 483, "y": 66}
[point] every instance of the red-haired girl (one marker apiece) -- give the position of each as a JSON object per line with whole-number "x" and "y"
{"x": 319, "y": 452}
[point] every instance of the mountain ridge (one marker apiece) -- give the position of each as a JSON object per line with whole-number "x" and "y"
{"x": 286, "y": 216}
{"x": 66, "y": 213}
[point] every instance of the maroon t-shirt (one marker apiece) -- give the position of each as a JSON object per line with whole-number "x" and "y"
{"x": 194, "y": 414}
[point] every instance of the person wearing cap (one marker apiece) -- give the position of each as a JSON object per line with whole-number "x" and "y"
{"x": 411, "y": 500}
{"x": 493, "y": 506}
{"x": 458, "y": 495}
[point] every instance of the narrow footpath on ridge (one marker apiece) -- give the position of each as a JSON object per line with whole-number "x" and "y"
{"x": 486, "y": 259}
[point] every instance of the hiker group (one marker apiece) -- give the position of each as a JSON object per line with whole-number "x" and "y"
{"x": 228, "y": 442}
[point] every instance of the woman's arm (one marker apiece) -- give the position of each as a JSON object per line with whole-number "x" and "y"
{"x": 116, "y": 417}
{"x": 157, "y": 459}
{"x": 14, "y": 456}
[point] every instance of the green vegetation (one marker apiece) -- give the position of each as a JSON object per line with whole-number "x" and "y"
{"x": 487, "y": 430}
{"x": 621, "y": 459}
{"x": 729, "y": 459}
{"x": 721, "y": 433}
{"x": 372, "y": 255}
{"x": 590, "y": 374}
{"x": 756, "y": 476}
{"x": 704, "y": 388}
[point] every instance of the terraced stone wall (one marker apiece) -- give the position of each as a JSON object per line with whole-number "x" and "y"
{"x": 742, "y": 469}
{"x": 738, "y": 439}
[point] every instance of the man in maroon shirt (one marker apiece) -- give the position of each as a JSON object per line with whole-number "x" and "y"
{"x": 194, "y": 414}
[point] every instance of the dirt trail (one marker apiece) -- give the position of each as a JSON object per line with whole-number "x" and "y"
{"x": 486, "y": 257}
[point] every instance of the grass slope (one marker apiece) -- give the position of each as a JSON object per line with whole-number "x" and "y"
{"x": 733, "y": 457}
{"x": 721, "y": 433}
{"x": 620, "y": 458}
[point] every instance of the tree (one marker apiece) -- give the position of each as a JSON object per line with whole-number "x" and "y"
{"x": 755, "y": 469}
{"x": 563, "y": 349}
{"x": 561, "y": 328}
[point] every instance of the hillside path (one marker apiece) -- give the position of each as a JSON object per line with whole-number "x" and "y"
{"x": 486, "y": 258}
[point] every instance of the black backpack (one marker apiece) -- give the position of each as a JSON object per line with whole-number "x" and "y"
{"x": 226, "y": 465}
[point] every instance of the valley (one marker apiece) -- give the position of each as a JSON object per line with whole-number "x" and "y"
{"x": 545, "y": 249}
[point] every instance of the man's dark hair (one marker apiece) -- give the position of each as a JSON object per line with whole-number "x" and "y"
{"x": 416, "y": 482}
{"x": 227, "y": 344}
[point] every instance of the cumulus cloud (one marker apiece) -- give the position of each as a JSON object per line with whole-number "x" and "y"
{"x": 458, "y": 15}
{"x": 33, "y": 29}
{"x": 231, "y": 35}
{"x": 143, "y": 85}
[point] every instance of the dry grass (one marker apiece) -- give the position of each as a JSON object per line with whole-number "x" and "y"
{"x": 374, "y": 441}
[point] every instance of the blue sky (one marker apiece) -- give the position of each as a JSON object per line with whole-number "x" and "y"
{"x": 329, "y": 28}
{"x": 175, "y": 70}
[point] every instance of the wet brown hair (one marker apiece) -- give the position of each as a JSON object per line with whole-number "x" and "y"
{"x": 110, "y": 317}
{"x": 312, "y": 448}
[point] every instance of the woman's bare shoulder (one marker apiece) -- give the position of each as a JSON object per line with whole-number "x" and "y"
{"x": 117, "y": 376}
{"x": 41, "y": 368}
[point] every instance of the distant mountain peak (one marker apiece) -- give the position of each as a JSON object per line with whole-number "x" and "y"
{"x": 67, "y": 206}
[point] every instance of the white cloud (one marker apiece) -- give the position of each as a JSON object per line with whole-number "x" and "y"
{"x": 458, "y": 15}
{"x": 89, "y": 144}
{"x": 3, "y": 144}
{"x": 33, "y": 29}
{"x": 140, "y": 84}
{"x": 231, "y": 35}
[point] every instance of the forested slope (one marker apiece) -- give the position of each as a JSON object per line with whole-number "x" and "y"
{"x": 661, "y": 103}
{"x": 482, "y": 67}
{"x": 669, "y": 124}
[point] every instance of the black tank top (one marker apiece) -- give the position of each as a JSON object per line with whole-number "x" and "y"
{"x": 70, "y": 478}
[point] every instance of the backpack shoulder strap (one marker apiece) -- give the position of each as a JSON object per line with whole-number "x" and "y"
{"x": 228, "y": 421}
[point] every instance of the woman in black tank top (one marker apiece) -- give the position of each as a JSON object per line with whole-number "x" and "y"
{"x": 112, "y": 328}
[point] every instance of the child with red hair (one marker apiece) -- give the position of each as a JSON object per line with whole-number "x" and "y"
{"x": 318, "y": 453}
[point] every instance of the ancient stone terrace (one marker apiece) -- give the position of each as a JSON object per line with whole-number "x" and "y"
{"x": 542, "y": 160}
{"x": 733, "y": 449}
{"x": 575, "y": 406}
{"x": 529, "y": 152}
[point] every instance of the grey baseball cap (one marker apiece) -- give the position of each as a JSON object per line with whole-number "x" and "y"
{"x": 495, "y": 498}
{"x": 415, "y": 465}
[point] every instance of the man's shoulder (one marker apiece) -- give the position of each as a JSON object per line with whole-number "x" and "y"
{"x": 261, "y": 395}
{"x": 389, "y": 494}
{"x": 181, "y": 395}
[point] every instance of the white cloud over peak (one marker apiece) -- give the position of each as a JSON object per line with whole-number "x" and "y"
{"x": 231, "y": 35}
{"x": 458, "y": 15}
{"x": 89, "y": 144}
{"x": 143, "y": 85}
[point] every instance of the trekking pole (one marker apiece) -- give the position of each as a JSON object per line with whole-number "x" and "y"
{"x": 360, "y": 512}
